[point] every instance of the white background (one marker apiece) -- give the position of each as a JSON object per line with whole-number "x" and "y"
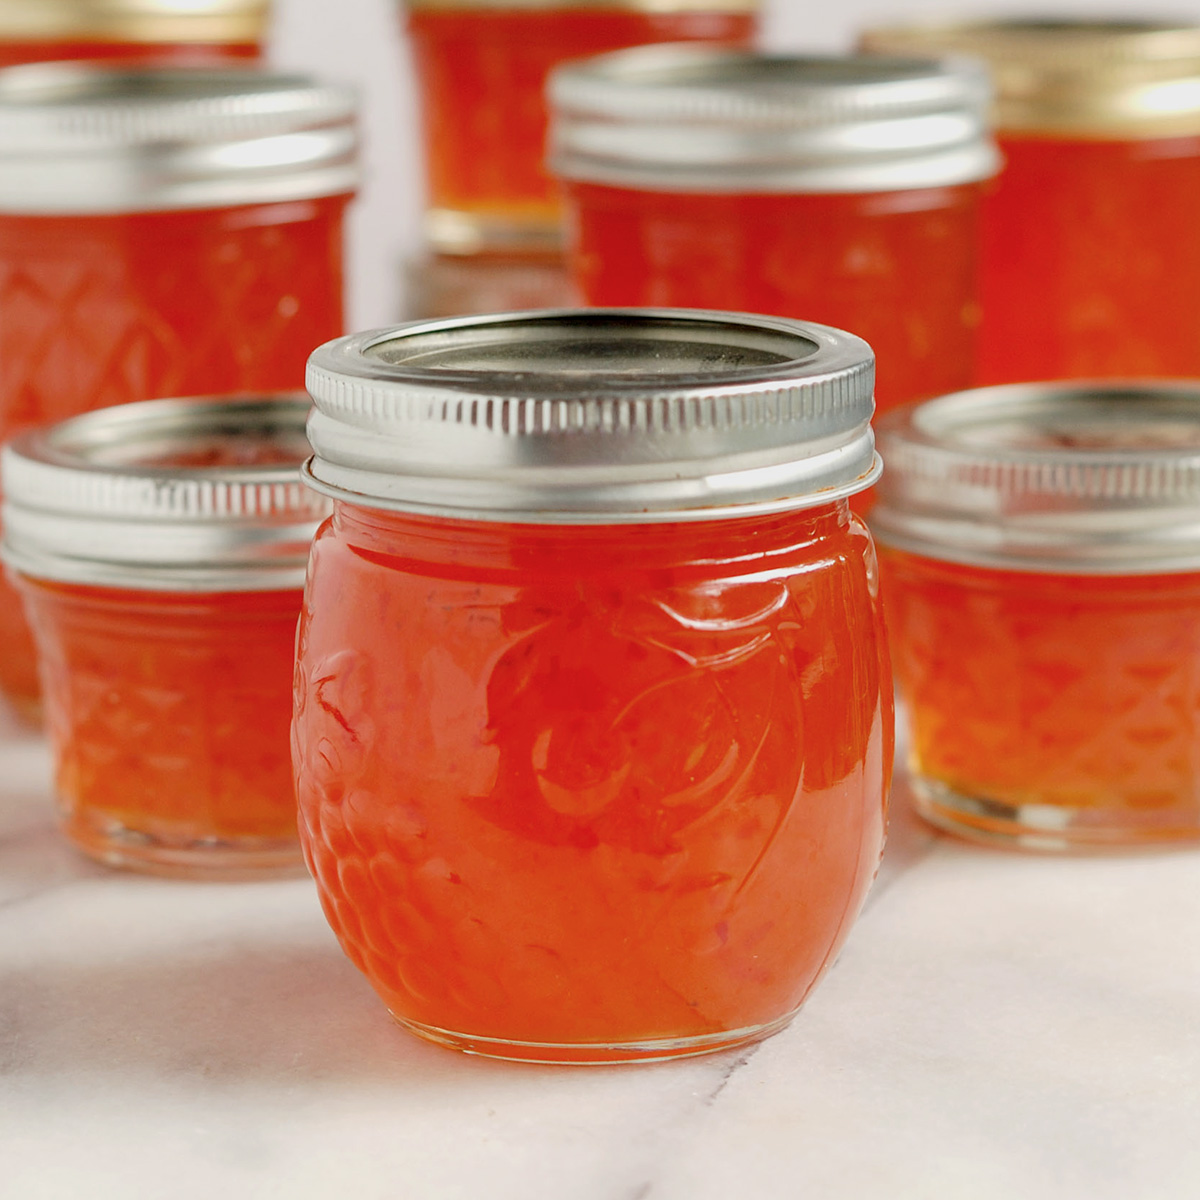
{"x": 361, "y": 42}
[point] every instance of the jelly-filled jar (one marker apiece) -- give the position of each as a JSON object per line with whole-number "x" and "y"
{"x": 1041, "y": 576}
{"x": 178, "y": 31}
{"x": 160, "y": 548}
{"x": 481, "y": 67}
{"x": 1090, "y": 262}
{"x": 843, "y": 190}
{"x": 162, "y": 233}
{"x": 593, "y": 717}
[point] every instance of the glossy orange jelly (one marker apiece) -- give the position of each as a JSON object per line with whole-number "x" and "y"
{"x": 481, "y": 70}
{"x": 1041, "y": 579}
{"x": 14, "y": 52}
{"x": 593, "y": 716}
{"x": 1091, "y": 257}
{"x": 137, "y": 263}
{"x": 898, "y": 268}
{"x": 168, "y": 715}
{"x": 1055, "y": 690}
{"x": 1091, "y": 260}
{"x": 571, "y": 790}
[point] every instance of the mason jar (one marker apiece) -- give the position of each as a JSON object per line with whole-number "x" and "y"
{"x": 176, "y": 31}
{"x": 844, "y": 190}
{"x": 593, "y": 715}
{"x": 1091, "y": 251}
{"x": 481, "y": 67}
{"x": 1041, "y": 575}
{"x": 160, "y": 549}
{"x": 162, "y": 233}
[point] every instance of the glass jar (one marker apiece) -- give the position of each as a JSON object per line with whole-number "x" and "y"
{"x": 843, "y": 190}
{"x": 162, "y": 232}
{"x": 1091, "y": 251}
{"x": 455, "y": 285}
{"x": 593, "y": 716}
{"x": 160, "y": 548}
{"x": 160, "y": 30}
{"x": 481, "y": 69}
{"x": 1041, "y": 574}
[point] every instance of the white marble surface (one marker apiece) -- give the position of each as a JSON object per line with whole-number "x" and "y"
{"x": 997, "y": 1026}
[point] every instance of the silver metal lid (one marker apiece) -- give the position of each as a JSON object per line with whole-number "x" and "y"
{"x": 578, "y": 416}
{"x": 702, "y": 118}
{"x": 1087, "y": 478}
{"x": 95, "y": 138}
{"x": 197, "y": 495}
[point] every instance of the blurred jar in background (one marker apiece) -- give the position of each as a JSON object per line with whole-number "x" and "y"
{"x": 481, "y": 67}
{"x": 161, "y": 550}
{"x": 162, "y": 232}
{"x": 842, "y": 190}
{"x": 450, "y": 285}
{"x": 179, "y": 31}
{"x": 1040, "y": 564}
{"x": 1091, "y": 260}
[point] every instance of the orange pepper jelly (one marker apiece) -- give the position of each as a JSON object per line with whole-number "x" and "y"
{"x": 1041, "y": 576}
{"x": 159, "y": 30}
{"x": 1091, "y": 254}
{"x": 162, "y": 232}
{"x": 845, "y": 190}
{"x": 593, "y": 716}
{"x": 161, "y": 549}
{"x": 482, "y": 67}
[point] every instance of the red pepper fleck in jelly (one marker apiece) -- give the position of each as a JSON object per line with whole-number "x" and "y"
{"x": 593, "y": 717}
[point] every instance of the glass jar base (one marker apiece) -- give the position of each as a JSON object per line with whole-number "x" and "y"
{"x": 463, "y": 232}
{"x": 1051, "y": 828}
{"x": 115, "y": 844}
{"x": 595, "y": 1053}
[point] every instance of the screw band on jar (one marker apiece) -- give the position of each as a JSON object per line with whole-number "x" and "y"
{"x": 594, "y": 416}
{"x": 1119, "y": 78}
{"x": 88, "y": 138}
{"x": 198, "y": 495}
{"x": 166, "y": 21}
{"x": 1095, "y": 478}
{"x": 698, "y": 118}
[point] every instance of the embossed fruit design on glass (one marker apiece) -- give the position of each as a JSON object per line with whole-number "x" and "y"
{"x": 160, "y": 548}
{"x": 162, "y": 232}
{"x": 593, "y": 714}
{"x": 1091, "y": 252}
{"x": 481, "y": 67}
{"x": 841, "y": 189}
{"x": 176, "y": 31}
{"x": 1041, "y": 574}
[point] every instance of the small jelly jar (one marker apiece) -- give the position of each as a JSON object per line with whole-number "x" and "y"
{"x": 593, "y": 713}
{"x": 455, "y": 285}
{"x": 159, "y": 30}
{"x": 162, "y": 233}
{"x": 1091, "y": 251}
{"x": 1041, "y": 575}
{"x": 481, "y": 66}
{"x": 160, "y": 548}
{"x": 843, "y": 190}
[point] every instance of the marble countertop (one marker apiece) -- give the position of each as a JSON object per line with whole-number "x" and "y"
{"x": 997, "y": 1026}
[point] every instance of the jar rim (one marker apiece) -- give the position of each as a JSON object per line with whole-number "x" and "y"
{"x": 1089, "y": 477}
{"x": 200, "y": 494}
{"x": 97, "y": 137}
{"x": 1106, "y": 78}
{"x": 593, "y": 416}
{"x": 695, "y": 117}
{"x": 186, "y": 21}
